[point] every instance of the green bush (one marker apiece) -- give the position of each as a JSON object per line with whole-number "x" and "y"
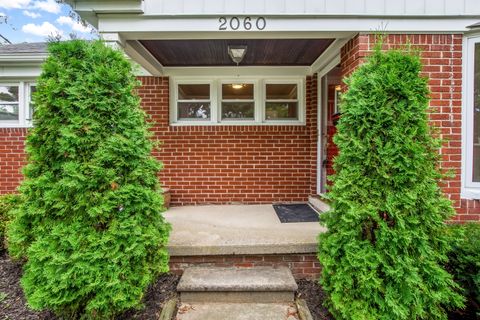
{"x": 7, "y": 203}
{"x": 386, "y": 244}
{"x": 91, "y": 227}
{"x": 464, "y": 265}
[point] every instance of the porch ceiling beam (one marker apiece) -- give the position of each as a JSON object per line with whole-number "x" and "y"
{"x": 329, "y": 54}
{"x": 232, "y": 72}
{"x": 142, "y": 56}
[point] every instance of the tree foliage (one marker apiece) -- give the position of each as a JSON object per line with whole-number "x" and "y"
{"x": 464, "y": 265}
{"x": 386, "y": 243}
{"x": 7, "y": 204}
{"x": 90, "y": 227}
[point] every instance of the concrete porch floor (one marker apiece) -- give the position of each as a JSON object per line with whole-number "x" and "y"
{"x": 237, "y": 229}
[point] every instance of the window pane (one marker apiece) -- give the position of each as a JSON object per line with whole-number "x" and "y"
{"x": 193, "y": 92}
{"x": 8, "y": 94}
{"x": 194, "y": 110}
{"x": 8, "y": 102}
{"x": 281, "y": 91}
{"x": 476, "y": 115}
{"x": 281, "y": 111}
{"x": 33, "y": 89}
{"x": 8, "y": 111}
{"x": 238, "y": 111}
{"x": 237, "y": 91}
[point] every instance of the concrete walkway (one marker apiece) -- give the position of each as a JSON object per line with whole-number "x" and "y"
{"x": 237, "y": 229}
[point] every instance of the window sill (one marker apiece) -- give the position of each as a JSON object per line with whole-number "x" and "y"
{"x": 470, "y": 193}
{"x": 14, "y": 125}
{"x": 237, "y": 123}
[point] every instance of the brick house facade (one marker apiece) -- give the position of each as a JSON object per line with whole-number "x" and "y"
{"x": 311, "y": 44}
{"x": 254, "y": 164}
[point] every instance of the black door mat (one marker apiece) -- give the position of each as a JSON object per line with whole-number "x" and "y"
{"x": 302, "y": 212}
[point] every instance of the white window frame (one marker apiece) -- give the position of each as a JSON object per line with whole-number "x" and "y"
{"x": 28, "y": 99}
{"x": 300, "y": 100}
{"x": 256, "y": 98}
{"x": 175, "y": 101}
{"x": 23, "y": 100}
{"x": 470, "y": 189}
{"x": 216, "y": 99}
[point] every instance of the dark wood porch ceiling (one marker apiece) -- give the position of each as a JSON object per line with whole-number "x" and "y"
{"x": 260, "y": 52}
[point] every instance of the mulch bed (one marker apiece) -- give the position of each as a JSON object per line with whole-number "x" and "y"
{"x": 161, "y": 291}
{"x": 314, "y": 295}
{"x": 13, "y": 304}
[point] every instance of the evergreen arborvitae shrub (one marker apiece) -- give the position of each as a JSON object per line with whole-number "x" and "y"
{"x": 386, "y": 243}
{"x": 90, "y": 227}
{"x": 464, "y": 265}
{"x": 7, "y": 204}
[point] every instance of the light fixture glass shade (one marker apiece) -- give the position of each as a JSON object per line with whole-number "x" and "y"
{"x": 237, "y": 86}
{"x": 237, "y": 53}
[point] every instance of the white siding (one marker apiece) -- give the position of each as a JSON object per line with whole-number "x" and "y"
{"x": 314, "y": 7}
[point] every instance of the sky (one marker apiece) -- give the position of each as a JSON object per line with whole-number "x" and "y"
{"x": 36, "y": 20}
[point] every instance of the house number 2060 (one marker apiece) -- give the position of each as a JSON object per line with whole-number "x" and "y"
{"x": 246, "y": 23}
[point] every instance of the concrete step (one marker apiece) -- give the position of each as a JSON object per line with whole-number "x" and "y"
{"x": 318, "y": 204}
{"x": 245, "y": 285}
{"x": 237, "y": 311}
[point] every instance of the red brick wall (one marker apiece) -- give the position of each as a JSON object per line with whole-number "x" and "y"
{"x": 230, "y": 164}
{"x": 442, "y": 58}
{"x": 303, "y": 265}
{"x": 12, "y": 158}
{"x": 212, "y": 164}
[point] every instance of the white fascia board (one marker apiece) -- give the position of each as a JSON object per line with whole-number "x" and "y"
{"x": 210, "y": 35}
{"x": 19, "y": 72}
{"x": 107, "y": 6}
{"x": 89, "y": 9}
{"x": 11, "y": 59}
{"x": 155, "y": 24}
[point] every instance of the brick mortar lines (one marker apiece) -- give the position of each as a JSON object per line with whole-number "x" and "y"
{"x": 301, "y": 265}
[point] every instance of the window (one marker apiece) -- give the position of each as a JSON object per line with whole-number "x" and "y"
{"x": 15, "y": 104}
{"x": 238, "y": 101}
{"x": 281, "y": 101}
{"x": 476, "y": 114}
{"x": 193, "y": 102}
{"x": 9, "y": 103}
{"x": 32, "y": 88}
{"x": 471, "y": 114}
{"x": 247, "y": 101}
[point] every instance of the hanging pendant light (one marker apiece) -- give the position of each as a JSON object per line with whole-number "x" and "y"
{"x": 237, "y": 53}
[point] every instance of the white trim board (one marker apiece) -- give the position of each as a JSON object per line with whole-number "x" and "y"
{"x": 334, "y": 26}
{"x": 469, "y": 189}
